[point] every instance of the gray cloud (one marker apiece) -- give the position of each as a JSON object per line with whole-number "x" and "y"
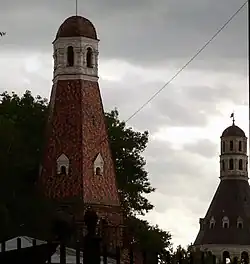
{"x": 136, "y": 31}
{"x": 175, "y": 173}
{"x": 164, "y": 110}
{"x": 212, "y": 95}
{"x": 203, "y": 147}
{"x": 175, "y": 106}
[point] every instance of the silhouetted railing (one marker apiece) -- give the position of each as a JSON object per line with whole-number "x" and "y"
{"x": 59, "y": 254}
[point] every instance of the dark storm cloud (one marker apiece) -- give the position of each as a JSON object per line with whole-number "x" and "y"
{"x": 140, "y": 31}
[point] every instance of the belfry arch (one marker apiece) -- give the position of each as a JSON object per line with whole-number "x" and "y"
{"x": 89, "y": 58}
{"x": 244, "y": 257}
{"x": 226, "y": 257}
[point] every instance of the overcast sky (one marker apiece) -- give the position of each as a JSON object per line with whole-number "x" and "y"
{"x": 142, "y": 44}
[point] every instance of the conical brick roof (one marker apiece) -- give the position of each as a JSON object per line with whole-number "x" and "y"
{"x": 232, "y": 199}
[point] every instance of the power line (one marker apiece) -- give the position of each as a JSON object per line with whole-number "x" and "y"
{"x": 192, "y": 58}
{"x": 186, "y": 64}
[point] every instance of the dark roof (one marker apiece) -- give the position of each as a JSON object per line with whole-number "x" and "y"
{"x": 232, "y": 199}
{"x": 233, "y": 131}
{"x": 76, "y": 26}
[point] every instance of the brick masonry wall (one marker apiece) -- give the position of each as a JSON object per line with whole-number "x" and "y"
{"x": 77, "y": 129}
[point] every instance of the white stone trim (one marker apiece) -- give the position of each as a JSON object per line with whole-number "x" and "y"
{"x": 74, "y": 39}
{"x": 212, "y": 223}
{"x": 62, "y": 161}
{"x": 239, "y": 221}
{"x": 217, "y": 250}
{"x": 225, "y": 220}
{"x": 236, "y": 141}
{"x": 75, "y": 77}
{"x": 80, "y": 46}
{"x": 233, "y": 177}
{"x": 99, "y": 163}
{"x": 236, "y": 155}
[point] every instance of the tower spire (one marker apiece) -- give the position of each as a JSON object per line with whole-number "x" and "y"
{"x": 76, "y": 7}
{"x": 222, "y": 230}
{"x": 232, "y": 116}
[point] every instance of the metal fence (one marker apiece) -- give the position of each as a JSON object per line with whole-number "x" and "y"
{"x": 41, "y": 252}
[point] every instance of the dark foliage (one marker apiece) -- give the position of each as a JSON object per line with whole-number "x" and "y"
{"x": 23, "y": 209}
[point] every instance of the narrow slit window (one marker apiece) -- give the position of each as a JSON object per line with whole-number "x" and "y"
{"x": 240, "y": 164}
{"x": 70, "y": 56}
{"x": 225, "y": 225}
{"x": 240, "y": 225}
{"x": 98, "y": 171}
{"x": 231, "y": 145}
{"x": 63, "y": 170}
{"x": 231, "y": 164}
{"x": 240, "y": 146}
{"x": 89, "y": 58}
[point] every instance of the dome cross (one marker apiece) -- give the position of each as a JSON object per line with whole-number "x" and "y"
{"x": 232, "y": 116}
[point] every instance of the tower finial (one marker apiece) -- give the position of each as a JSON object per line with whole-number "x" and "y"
{"x": 76, "y": 7}
{"x": 232, "y": 116}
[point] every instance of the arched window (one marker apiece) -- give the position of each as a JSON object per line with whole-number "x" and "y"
{"x": 231, "y": 145}
{"x": 98, "y": 165}
{"x": 212, "y": 222}
{"x": 244, "y": 257}
{"x": 223, "y": 146}
{"x": 63, "y": 164}
{"x": 223, "y": 165}
{"x": 89, "y": 58}
{"x": 225, "y": 222}
{"x": 240, "y": 164}
{"x": 98, "y": 171}
{"x": 226, "y": 257}
{"x": 239, "y": 223}
{"x": 231, "y": 164}
{"x": 240, "y": 146}
{"x": 70, "y": 56}
{"x": 63, "y": 170}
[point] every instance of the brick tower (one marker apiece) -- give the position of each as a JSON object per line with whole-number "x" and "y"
{"x": 225, "y": 230}
{"x": 77, "y": 160}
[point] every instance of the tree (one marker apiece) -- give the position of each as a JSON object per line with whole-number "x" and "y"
{"x": 150, "y": 238}
{"x": 189, "y": 255}
{"x": 22, "y": 121}
{"x": 127, "y": 146}
{"x": 179, "y": 255}
{"x": 22, "y": 126}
